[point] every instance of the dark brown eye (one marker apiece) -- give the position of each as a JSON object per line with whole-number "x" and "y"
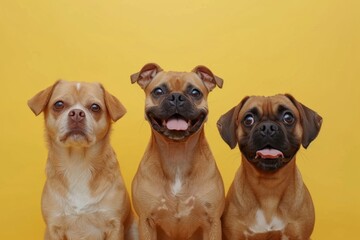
{"x": 95, "y": 108}
{"x": 158, "y": 92}
{"x": 249, "y": 120}
{"x": 59, "y": 105}
{"x": 195, "y": 93}
{"x": 288, "y": 118}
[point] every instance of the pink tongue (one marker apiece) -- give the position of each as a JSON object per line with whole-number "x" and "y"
{"x": 177, "y": 124}
{"x": 269, "y": 153}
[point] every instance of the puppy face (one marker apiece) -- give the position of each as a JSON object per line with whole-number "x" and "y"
{"x": 77, "y": 114}
{"x": 269, "y": 130}
{"x": 176, "y": 104}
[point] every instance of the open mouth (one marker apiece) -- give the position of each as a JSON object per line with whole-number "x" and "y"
{"x": 176, "y": 126}
{"x": 177, "y": 123}
{"x": 269, "y": 159}
{"x": 269, "y": 153}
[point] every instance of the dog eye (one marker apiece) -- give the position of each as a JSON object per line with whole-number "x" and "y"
{"x": 288, "y": 118}
{"x": 249, "y": 120}
{"x": 59, "y": 105}
{"x": 158, "y": 92}
{"x": 195, "y": 93}
{"x": 95, "y": 108}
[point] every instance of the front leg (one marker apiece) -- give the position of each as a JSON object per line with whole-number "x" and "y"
{"x": 214, "y": 231}
{"x": 270, "y": 235}
{"x": 147, "y": 228}
{"x": 146, "y": 200}
{"x": 296, "y": 231}
{"x": 54, "y": 233}
{"x": 115, "y": 230}
{"x": 232, "y": 227}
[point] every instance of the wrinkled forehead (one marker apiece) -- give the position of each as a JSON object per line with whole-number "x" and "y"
{"x": 268, "y": 105}
{"x": 78, "y": 91}
{"x": 177, "y": 81}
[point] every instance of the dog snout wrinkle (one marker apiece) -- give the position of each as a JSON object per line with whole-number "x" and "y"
{"x": 77, "y": 115}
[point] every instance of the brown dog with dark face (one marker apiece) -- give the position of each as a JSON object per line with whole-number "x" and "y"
{"x": 177, "y": 191}
{"x": 268, "y": 199}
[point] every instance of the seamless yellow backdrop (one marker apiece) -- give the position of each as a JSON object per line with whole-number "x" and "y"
{"x": 307, "y": 48}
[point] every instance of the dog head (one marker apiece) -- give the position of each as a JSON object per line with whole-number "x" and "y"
{"x": 269, "y": 130}
{"x": 176, "y": 102}
{"x": 77, "y": 114}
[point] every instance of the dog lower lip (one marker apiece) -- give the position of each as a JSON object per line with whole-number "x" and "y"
{"x": 76, "y": 129}
{"x": 73, "y": 133}
{"x": 270, "y": 164}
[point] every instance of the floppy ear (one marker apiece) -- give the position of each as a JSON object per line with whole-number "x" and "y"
{"x": 209, "y": 79}
{"x": 310, "y": 121}
{"x": 227, "y": 124}
{"x": 114, "y": 106}
{"x": 146, "y": 74}
{"x": 38, "y": 103}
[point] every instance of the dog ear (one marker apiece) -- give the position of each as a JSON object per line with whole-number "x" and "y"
{"x": 114, "y": 106}
{"x": 146, "y": 74}
{"x": 209, "y": 79}
{"x": 310, "y": 121}
{"x": 38, "y": 103}
{"x": 227, "y": 124}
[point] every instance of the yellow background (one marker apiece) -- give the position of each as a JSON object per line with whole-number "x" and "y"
{"x": 259, "y": 47}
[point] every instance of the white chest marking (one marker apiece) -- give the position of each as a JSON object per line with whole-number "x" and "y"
{"x": 261, "y": 225}
{"x": 185, "y": 208}
{"x": 78, "y": 85}
{"x": 79, "y": 192}
{"x": 79, "y": 198}
{"x": 163, "y": 206}
{"x": 177, "y": 185}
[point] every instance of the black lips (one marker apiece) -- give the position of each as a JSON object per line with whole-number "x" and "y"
{"x": 176, "y": 107}
{"x": 269, "y": 146}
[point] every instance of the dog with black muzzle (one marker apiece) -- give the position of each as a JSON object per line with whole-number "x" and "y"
{"x": 177, "y": 191}
{"x": 268, "y": 199}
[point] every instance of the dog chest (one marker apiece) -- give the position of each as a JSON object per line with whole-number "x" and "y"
{"x": 262, "y": 225}
{"x": 264, "y": 229}
{"x": 180, "y": 217}
{"x": 79, "y": 198}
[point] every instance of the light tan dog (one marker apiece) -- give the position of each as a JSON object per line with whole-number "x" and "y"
{"x": 268, "y": 199}
{"x": 84, "y": 195}
{"x": 177, "y": 192}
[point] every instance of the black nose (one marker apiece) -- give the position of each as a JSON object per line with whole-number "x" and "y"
{"x": 268, "y": 129}
{"x": 77, "y": 115}
{"x": 177, "y": 99}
